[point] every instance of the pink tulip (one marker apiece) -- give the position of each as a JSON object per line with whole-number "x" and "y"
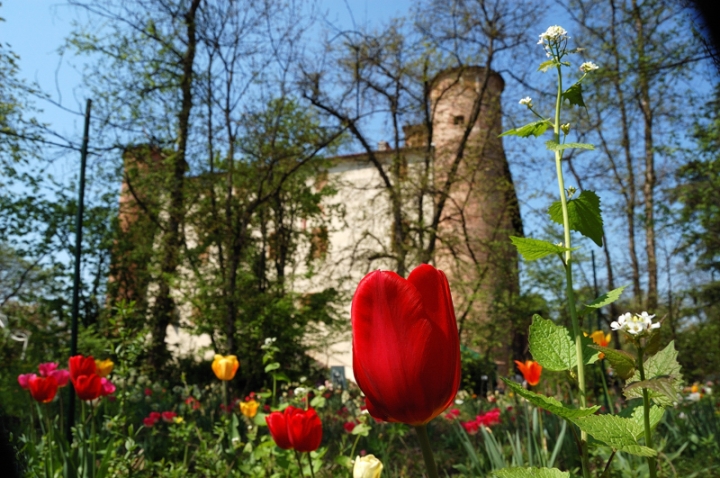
{"x": 62, "y": 376}
{"x": 46, "y": 369}
{"x": 107, "y": 387}
{"x": 24, "y": 380}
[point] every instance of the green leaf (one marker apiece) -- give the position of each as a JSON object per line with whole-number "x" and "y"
{"x": 546, "y": 65}
{"x": 663, "y": 365}
{"x": 549, "y": 403}
{"x": 617, "y": 432}
{"x": 532, "y": 472}
{"x": 535, "y": 128}
{"x": 361, "y": 429}
{"x": 318, "y": 402}
{"x": 583, "y": 214}
{"x": 590, "y": 355}
{"x": 605, "y": 299}
{"x": 272, "y": 366}
{"x": 661, "y": 389}
{"x": 622, "y": 362}
{"x": 532, "y": 249}
{"x": 344, "y": 461}
{"x": 656, "y": 414}
{"x": 554, "y": 146}
{"x": 574, "y": 95}
{"x": 551, "y": 345}
{"x": 259, "y": 419}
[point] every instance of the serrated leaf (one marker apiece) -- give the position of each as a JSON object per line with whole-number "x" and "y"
{"x": 549, "y": 403}
{"x": 574, "y": 95}
{"x": 554, "y": 146}
{"x": 583, "y": 214}
{"x": 551, "y": 345}
{"x": 622, "y": 362}
{"x": 535, "y": 128}
{"x": 531, "y": 472}
{"x": 635, "y": 411}
{"x": 605, "y": 299}
{"x": 546, "y": 65}
{"x": 617, "y": 432}
{"x": 664, "y": 364}
{"x": 533, "y": 249}
{"x": 661, "y": 389}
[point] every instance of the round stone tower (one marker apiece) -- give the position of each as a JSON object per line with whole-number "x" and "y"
{"x": 481, "y": 208}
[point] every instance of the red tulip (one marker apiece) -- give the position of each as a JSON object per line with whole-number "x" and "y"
{"x": 406, "y": 351}
{"x": 148, "y": 422}
{"x": 88, "y": 387}
{"x": 80, "y": 365}
{"x": 531, "y": 371}
{"x": 304, "y": 430}
{"x": 277, "y": 424}
{"x": 42, "y": 389}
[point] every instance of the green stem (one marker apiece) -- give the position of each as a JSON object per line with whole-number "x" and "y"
{"x": 427, "y": 451}
{"x": 608, "y": 401}
{"x": 297, "y": 458}
{"x": 568, "y": 273}
{"x": 312, "y": 472}
{"x": 274, "y": 400}
{"x": 50, "y": 442}
{"x": 352, "y": 452}
{"x": 94, "y": 439}
{"x": 646, "y": 415}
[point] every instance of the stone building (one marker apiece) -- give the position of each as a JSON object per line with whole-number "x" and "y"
{"x": 468, "y": 175}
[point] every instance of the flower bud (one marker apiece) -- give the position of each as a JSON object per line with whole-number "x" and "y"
{"x": 367, "y": 467}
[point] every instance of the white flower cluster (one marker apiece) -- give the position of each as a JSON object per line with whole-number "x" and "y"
{"x": 527, "y": 101}
{"x": 554, "y": 33}
{"x": 635, "y": 324}
{"x": 588, "y": 66}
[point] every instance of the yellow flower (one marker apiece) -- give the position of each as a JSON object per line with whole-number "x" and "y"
{"x": 367, "y": 467}
{"x": 225, "y": 366}
{"x": 695, "y": 388}
{"x": 250, "y": 408}
{"x": 178, "y": 420}
{"x": 104, "y": 367}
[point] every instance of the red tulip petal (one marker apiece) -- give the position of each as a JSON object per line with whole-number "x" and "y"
{"x": 278, "y": 429}
{"x": 404, "y": 363}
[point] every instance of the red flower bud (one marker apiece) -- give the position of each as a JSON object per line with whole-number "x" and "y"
{"x": 304, "y": 430}
{"x": 406, "y": 350}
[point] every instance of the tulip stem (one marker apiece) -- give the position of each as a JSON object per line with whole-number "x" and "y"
{"x": 297, "y": 458}
{"x": 312, "y": 472}
{"x": 427, "y": 451}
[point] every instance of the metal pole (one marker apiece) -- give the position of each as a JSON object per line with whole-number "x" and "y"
{"x": 76, "y": 274}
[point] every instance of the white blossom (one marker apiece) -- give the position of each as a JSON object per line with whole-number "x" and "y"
{"x": 588, "y": 66}
{"x": 635, "y": 324}
{"x": 527, "y": 101}
{"x": 554, "y": 33}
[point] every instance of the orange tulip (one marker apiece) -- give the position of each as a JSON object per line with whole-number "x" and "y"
{"x": 601, "y": 339}
{"x": 104, "y": 367}
{"x": 531, "y": 370}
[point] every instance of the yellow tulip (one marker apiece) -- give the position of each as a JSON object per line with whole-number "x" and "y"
{"x": 367, "y": 467}
{"x": 249, "y": 408}
{"x": 103, "y": 368}
{"x": 225, "y": 366}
